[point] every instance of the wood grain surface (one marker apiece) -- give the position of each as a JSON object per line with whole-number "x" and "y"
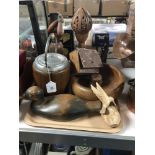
{"x": 86, "y": 123}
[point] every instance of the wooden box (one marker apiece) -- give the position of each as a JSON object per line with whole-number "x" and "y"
{"x": 115, "y": 7}
{"x": 91, "y": 5}
{"x": 62, "y": 6}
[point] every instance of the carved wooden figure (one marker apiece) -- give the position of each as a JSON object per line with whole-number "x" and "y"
{"x": 60, "y": 107}
{"x": 109, "y": 110}
{"x": 67, "y": 106}
{"x": 81, "y": 25}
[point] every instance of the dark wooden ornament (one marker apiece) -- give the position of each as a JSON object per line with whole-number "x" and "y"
{"x": 89, "y": 58}
{"x": 60, "y": 107}
{"x": 85, "y": 61}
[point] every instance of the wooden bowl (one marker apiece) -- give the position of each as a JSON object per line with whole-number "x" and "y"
{"x": 113, "y": 83}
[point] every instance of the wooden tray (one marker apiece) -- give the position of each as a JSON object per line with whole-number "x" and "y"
{"x": 85, "y": 123}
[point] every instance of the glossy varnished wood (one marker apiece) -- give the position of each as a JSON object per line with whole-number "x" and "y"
{"x": 61, "y": 79}
{"x": 113, "y": 83}
{"x": 64, "y": 107}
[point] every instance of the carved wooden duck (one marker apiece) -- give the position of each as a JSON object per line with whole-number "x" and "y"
{"x": 68, "y": 106}
{"x": 60, "y": 107}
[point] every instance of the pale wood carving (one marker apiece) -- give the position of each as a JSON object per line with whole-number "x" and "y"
{"x": 109, "y": 110}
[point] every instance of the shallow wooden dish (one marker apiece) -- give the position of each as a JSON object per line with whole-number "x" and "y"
{"x": 113, "y": 83}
